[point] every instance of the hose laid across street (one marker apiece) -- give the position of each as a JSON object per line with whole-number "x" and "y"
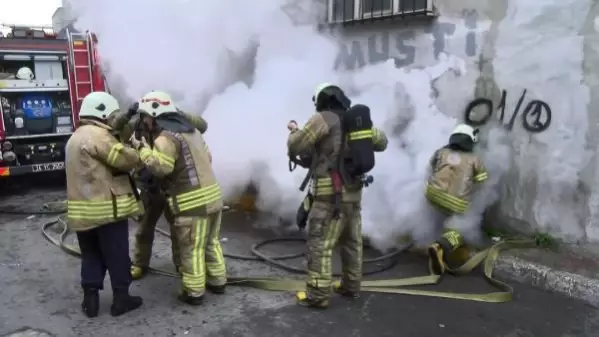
{"x": 486, "y": 257}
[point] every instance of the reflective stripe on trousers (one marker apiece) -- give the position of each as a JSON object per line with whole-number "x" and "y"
{"x": 193, "y": 199}
{"x": 323, "y": 186}
{"x": 201, "y": 256}
{"x": 98, "y": 210}
{"x": 324, "y": 234}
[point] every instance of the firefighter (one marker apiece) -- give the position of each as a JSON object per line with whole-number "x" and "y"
{"x": 455, "y": 170}
{"x": 180, "y": 157}
{"x": 101, "y": 197}
{"x": 152, "y": 194}
{"x": 327, "y": 222}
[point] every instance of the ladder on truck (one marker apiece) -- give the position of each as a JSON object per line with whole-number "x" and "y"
{"x": 81, "y": 66}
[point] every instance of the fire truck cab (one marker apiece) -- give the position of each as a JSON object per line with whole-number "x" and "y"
{"x": 43, "y": 79}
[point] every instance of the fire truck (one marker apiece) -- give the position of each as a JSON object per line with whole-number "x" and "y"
{"x": 43, "y": 79}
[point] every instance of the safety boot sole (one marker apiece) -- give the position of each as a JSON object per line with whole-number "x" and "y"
{"x": 191, "y": 300}
{"x": 303, "y": 300}
{"x": 138, "y": 273}
{"x": 436, "y": 257}
{"x": 346, "y": 293}
{"x": 216, "y": 289}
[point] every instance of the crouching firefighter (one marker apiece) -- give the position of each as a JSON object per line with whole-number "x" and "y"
{"x": 153, "y": 196}
{"x": 455, "y": 170}
{"x": 180, "y": 158}
{"x": 100, "y": 198}
{"x": 342, "y": 142}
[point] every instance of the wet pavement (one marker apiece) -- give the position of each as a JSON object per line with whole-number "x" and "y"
{"x": 40, "y": 292}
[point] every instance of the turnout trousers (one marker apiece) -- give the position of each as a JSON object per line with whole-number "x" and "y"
{"x": 201, "y": 254}
{"x": 324, "y": 232}
{"x": 450, "y": 248}
{"x": 105, "y": 248}
{"x": 155, "y": 205}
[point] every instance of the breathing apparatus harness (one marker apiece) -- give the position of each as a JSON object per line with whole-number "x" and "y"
{"x": 356, "y": 136}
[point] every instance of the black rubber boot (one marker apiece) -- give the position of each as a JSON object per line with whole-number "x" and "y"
{"x": 185, "y": 297}
{"x": 339, "y": 289}
{"x": 215, "y": 289}
{"x": 122, "y": 303}
{"x": 304, "y": 300}
{"x": 91, "y": 302}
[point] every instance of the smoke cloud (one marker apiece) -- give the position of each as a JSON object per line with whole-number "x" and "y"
{"x": 249, "y": 69}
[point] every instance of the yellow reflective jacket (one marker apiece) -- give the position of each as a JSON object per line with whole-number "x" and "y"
{"x": 99, "y": 190}
{"x": 321, "y": 137}
{"x": 453, "y": 176}
{"x": 183, "y": 163}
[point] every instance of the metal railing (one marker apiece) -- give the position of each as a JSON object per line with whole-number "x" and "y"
{"x": 340, "y": 11}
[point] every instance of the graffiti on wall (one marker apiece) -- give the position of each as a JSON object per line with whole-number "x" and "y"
{"x": 394, "y": 45}
{"x": 535, "y": 117}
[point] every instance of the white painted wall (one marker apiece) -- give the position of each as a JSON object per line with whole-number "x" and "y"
{"x": 520, "y": 44}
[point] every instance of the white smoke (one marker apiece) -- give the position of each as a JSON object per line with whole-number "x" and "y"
{"x": 183, "y": 47}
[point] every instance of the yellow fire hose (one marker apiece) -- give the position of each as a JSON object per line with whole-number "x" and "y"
{"x": 486, "y": 257}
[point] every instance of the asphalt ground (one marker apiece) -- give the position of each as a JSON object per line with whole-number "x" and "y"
{"x": 39, "y": 291}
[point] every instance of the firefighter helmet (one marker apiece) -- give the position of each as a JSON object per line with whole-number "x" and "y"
{"x": 465, "y": 129}
{"x": 98, "y": 104}
{"x": 329, "y": 96}
{"x": 157, "y": 103}
{"x": 24, "y": 73}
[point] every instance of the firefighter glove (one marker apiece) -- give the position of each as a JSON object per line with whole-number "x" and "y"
{"x": 138, "y": 144}
{"x": 132, "y": 110}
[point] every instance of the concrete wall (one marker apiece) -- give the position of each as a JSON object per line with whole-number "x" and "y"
{"x": 542, "y": 53}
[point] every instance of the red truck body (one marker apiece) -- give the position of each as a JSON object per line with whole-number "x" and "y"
{"x": 38, "y": 115}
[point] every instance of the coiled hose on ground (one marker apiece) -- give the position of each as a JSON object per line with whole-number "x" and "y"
{"x": 59, "y": 208}
{"x": 486, "y": 257}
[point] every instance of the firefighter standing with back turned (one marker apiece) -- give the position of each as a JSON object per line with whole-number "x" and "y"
{"x": 153, "y": 196}
{"x": 455, "y": 170}
{"x": 335, "y": 211}
{"x": 100, "y": 199}
{"x": 181, "y": 158}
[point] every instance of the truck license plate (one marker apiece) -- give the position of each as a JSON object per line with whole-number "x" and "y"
{"x": 57, "y": 166}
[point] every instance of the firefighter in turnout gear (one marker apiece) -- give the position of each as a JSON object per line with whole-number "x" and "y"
{"x": 180, "y": 157}
{"x": 335, "y": 213}
{"x": 101, "y": 197}
{"x": 455, "y": 170}
{"x": 152, "y": 194}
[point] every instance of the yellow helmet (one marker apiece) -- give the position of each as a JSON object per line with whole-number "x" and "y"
{"x": 157, "y": 103}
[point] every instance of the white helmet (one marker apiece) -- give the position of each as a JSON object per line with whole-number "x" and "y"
{"x": 156, "y": 103}
{"x": 320, "y": 88}
{"x": 98, "y": 104}
{"x": 467, "y": 130}
{"x": 25, "y": 73}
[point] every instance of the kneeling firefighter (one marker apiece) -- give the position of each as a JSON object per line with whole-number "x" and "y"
{"x": 100, "y": 198}
{"x": 152, "y": 194}
{"x": 180, "y": 158}
{"x": 455, "y": 169}
{"x": 341, "y": 142}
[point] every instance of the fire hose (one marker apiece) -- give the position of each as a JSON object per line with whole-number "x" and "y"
{"x": 485, "y": 257}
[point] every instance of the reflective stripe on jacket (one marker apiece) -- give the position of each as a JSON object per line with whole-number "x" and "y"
{"x": 321, "y": 137}
{"x": 184, "y": 164}
{"x": 453, "y": 176}
{"x": 99, "y": 189}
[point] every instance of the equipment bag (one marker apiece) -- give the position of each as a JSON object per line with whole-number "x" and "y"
{"x": 357, "y": 127}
